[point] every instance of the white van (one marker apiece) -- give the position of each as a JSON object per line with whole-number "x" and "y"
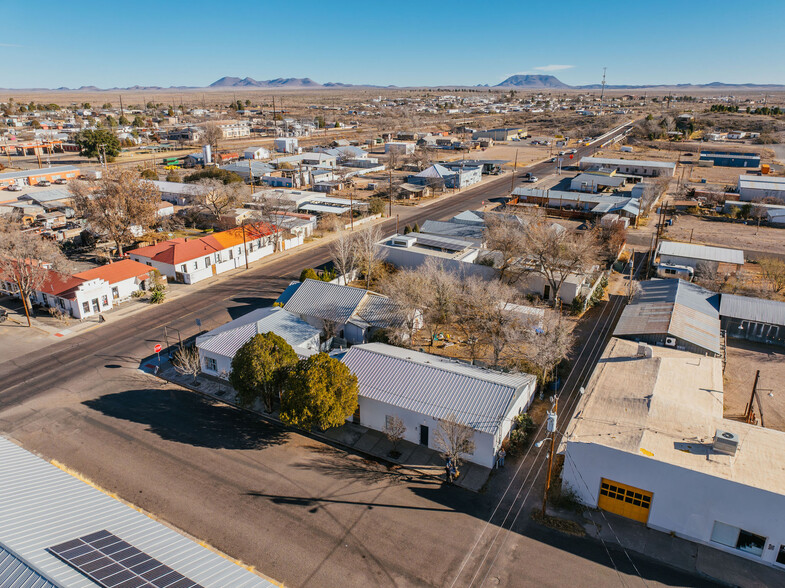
{"x": 683, "y": 272}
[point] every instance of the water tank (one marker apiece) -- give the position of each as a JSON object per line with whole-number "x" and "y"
{"x": 725, "y": 442}
{"x": 207, "y": 152}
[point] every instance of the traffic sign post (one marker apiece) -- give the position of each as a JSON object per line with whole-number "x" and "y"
{"x": 157, "y": 350}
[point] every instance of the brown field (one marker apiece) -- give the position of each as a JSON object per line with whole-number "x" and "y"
{"x": 744, "y": 359}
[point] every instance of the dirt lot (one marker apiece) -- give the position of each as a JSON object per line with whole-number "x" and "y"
{"x": 724, "y": 234}
{"x": 744, "y": 359}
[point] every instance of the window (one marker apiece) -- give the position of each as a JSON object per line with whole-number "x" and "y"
{"x": 740, "y": 539}
{"x": 217, "y": 258}
{"x": 206, "y": 262}
{"x": 46, "y": 299}
{"x": 196, "y": 265}
{"x": 86, "y": 307}
{"x": 231, "y": 254}
{"x": 104, "y": 300}
{"x": 184, "y": 268}
{"x": 239, "y": 252}
{"x": 210, "y": 364}
{"x": 781, "y": 555}
{"x": 115, "y": 293}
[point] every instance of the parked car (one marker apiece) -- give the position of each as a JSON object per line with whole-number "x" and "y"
{"x": 43, "y": 183}
{"x": 61, "y": 181}
{"x": 531, "y": 179}
{"x": 14, "y": 188}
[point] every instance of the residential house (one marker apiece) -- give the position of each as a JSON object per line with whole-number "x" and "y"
{"x": 218, "y": 347}
{"x": 423, "y": 390}
{"x": 256, "y": 153}
{"x": 124, "y": 277}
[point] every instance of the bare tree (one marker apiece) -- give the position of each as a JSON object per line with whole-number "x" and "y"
{"x": 407, "y": 291}
{"x": 344, "y": 255}
{"x": 471, "y": 306}
{"x": 28, "y": 261}
{"x": 652, "y": 191}
{"x": 440, "y": 296}
{"x": 773, "y": 270}
{"x": 186, "y": 361}
{"x": 548, "y": 344}
{"x": 211, "y": 136}
{"x": 504, "y": 236}
{"x": 501, "y": 327}
{"x": 454, "y": 438}
{"x": 217, "y": 198}
{"x": 394, "y": 430}
{"x": 117, "y": 205}
{"x": 368, "y": 254}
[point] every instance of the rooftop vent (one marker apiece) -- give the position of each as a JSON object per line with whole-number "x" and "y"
{"x": 725, "y": 442}
{"x": 644, "y": 350}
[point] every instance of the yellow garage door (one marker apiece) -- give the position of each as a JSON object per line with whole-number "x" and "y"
{"x": 624, "y": 500}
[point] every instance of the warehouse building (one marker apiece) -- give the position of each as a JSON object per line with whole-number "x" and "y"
{"x": 752, "y": 188}
{"x": 722, "y": 260}
{"x": 423, "y": 389}
{"x": 673, "y": 313}
{"x": 31, "y": 177}
{"x": 730, "y": 159}
{"x": 58, "y": 531}
{"x": 504, "y": 134}
{"x": 632, "y": 167}
{"x": 753, "y": 319}
{"x": 648, "y": 442}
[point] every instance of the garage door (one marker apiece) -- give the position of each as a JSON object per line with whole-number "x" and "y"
{"x": 624, "y": 500}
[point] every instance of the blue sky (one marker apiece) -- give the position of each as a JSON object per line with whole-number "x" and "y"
{"x": 54, "y": 43}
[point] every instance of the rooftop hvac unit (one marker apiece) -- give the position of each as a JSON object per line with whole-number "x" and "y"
{"x": 725, "y": 442}
{"x": 670, "y": 341}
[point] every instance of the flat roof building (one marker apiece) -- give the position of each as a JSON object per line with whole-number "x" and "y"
{"x": 719, "y": 259}
{"x": 634, "y": 167}
{"x": 753, "y": 188}
{"x": 731, "y": 159}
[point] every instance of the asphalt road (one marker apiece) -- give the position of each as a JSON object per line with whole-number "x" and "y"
{"x": 302, "y": 512}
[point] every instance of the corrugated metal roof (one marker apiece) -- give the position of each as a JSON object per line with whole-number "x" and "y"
{"x": 379, "y": 311}
{"x": 42, "y": 506}
{"x": 701, "y": 252}
{"x": 455, "y": 230}
{"x": 434, "y": 386}
{"x": 324, "y": 300}
{"x": 627, "y": 162}
{"x": 756, "y": 310}
{"x": 16, "y": 573}
{"x": 57, "y": 169}
{"x": 676, "y": 308}
{"x": 762, "y": 182}
{"x": 233, "y": 335}
{"x": 440, "y": 242}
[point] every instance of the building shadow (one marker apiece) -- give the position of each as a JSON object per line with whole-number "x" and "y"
{"x": 184, "y": 417}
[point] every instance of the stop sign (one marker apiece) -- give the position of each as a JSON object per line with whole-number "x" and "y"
{"x": 157, "y": 348}
{"x": 570, "y": 155}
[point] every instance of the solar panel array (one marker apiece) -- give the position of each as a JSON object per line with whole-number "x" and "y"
{"x": 113, "y": 563}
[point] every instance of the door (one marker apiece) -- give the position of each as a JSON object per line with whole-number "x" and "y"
{"x": 624, "y": 500}
{"x": 96, "y": 308}
{"x": 215, "y": 270}
{"x": 424, "y": 435}
{"x": 547, "y": 293}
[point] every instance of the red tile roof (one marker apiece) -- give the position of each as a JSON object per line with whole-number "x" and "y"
{"x": 116, "y": 272}
{"x": 60, "y": 285}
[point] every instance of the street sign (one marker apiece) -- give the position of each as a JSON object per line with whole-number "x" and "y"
{"x": 199, "y": 321}
{"x": 157, "y": 348}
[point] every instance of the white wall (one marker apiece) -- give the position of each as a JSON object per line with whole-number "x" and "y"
{"x": 685, "y": 502}
{"x": 373, "y": 415}
{"x": 125, "y": 288}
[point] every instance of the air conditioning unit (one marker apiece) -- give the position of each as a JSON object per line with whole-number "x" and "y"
{"x": 670, "y": 341}
{"x": 725, "y": 442}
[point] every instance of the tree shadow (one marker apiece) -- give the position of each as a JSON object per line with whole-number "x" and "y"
{"x": 248, "y": 304}
{"x": 337, "y": 463}
{"x": 184, "y": 417}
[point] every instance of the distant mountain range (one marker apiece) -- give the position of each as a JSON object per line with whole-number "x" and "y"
{"x": 518, "y": 81}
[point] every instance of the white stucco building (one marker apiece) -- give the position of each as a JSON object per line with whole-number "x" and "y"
{"x": 648, "y": 441}
{"x": 218, "y": 347}
{"x": 423, "y": 389}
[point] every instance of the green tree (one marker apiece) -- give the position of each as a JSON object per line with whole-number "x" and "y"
{"x": 149, "y": 174}
{"x": 308, "y": 273}
{"x": 321, "y": 392}
{"x": 260, "y": 369}
{"x": 138, "y": 121}
{"x": 123, "y": 120}
{"x": 215, "y": 173}
{"x": 92, "y": 142}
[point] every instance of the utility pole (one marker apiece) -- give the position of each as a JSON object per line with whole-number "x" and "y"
{"x": 390, "y": 215}
{"x": 24, "y": 302}
{"x": 245, "y": 248}
{"x": 514, "y": 169}
{"x": 121, "y": 105}
{"x": 551, "y": 428}
{"x": 749, "y": 415}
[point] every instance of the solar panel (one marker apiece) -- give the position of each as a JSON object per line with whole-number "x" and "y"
{"x": 113, "y": 563}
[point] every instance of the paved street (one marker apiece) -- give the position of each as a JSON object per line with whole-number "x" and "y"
{"x": 301, "y": 511}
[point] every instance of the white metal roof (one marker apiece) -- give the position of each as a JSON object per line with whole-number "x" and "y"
{"x": 761, "y": 183}
{"x": 42, "y": 506}
{"x": 325, "y": 300}
{"x": 16, "y": 573}
{"x": 324, "y": 208}
{"x": 435, "y": 386}
{"x": 627, "y": 162}
{"x": 756, "y": 310}
{"x": 701, "y": 252}
{"x": 228, "y": 338}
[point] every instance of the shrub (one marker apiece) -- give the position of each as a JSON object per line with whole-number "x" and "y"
{"x": 376, "y": 205}
{"x": 137, "y": 294}
{"x": 523, "y": 425}
{"x": 149, "y": 174}
{"x": 308, "y": 273}
{"x": 157, "y": 296}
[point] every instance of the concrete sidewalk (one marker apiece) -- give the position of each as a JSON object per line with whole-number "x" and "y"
{"x": 696, "y": 558}
{"x": 417, "y": 460}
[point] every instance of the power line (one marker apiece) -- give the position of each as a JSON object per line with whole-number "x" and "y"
{"x": 526, "y": 454}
